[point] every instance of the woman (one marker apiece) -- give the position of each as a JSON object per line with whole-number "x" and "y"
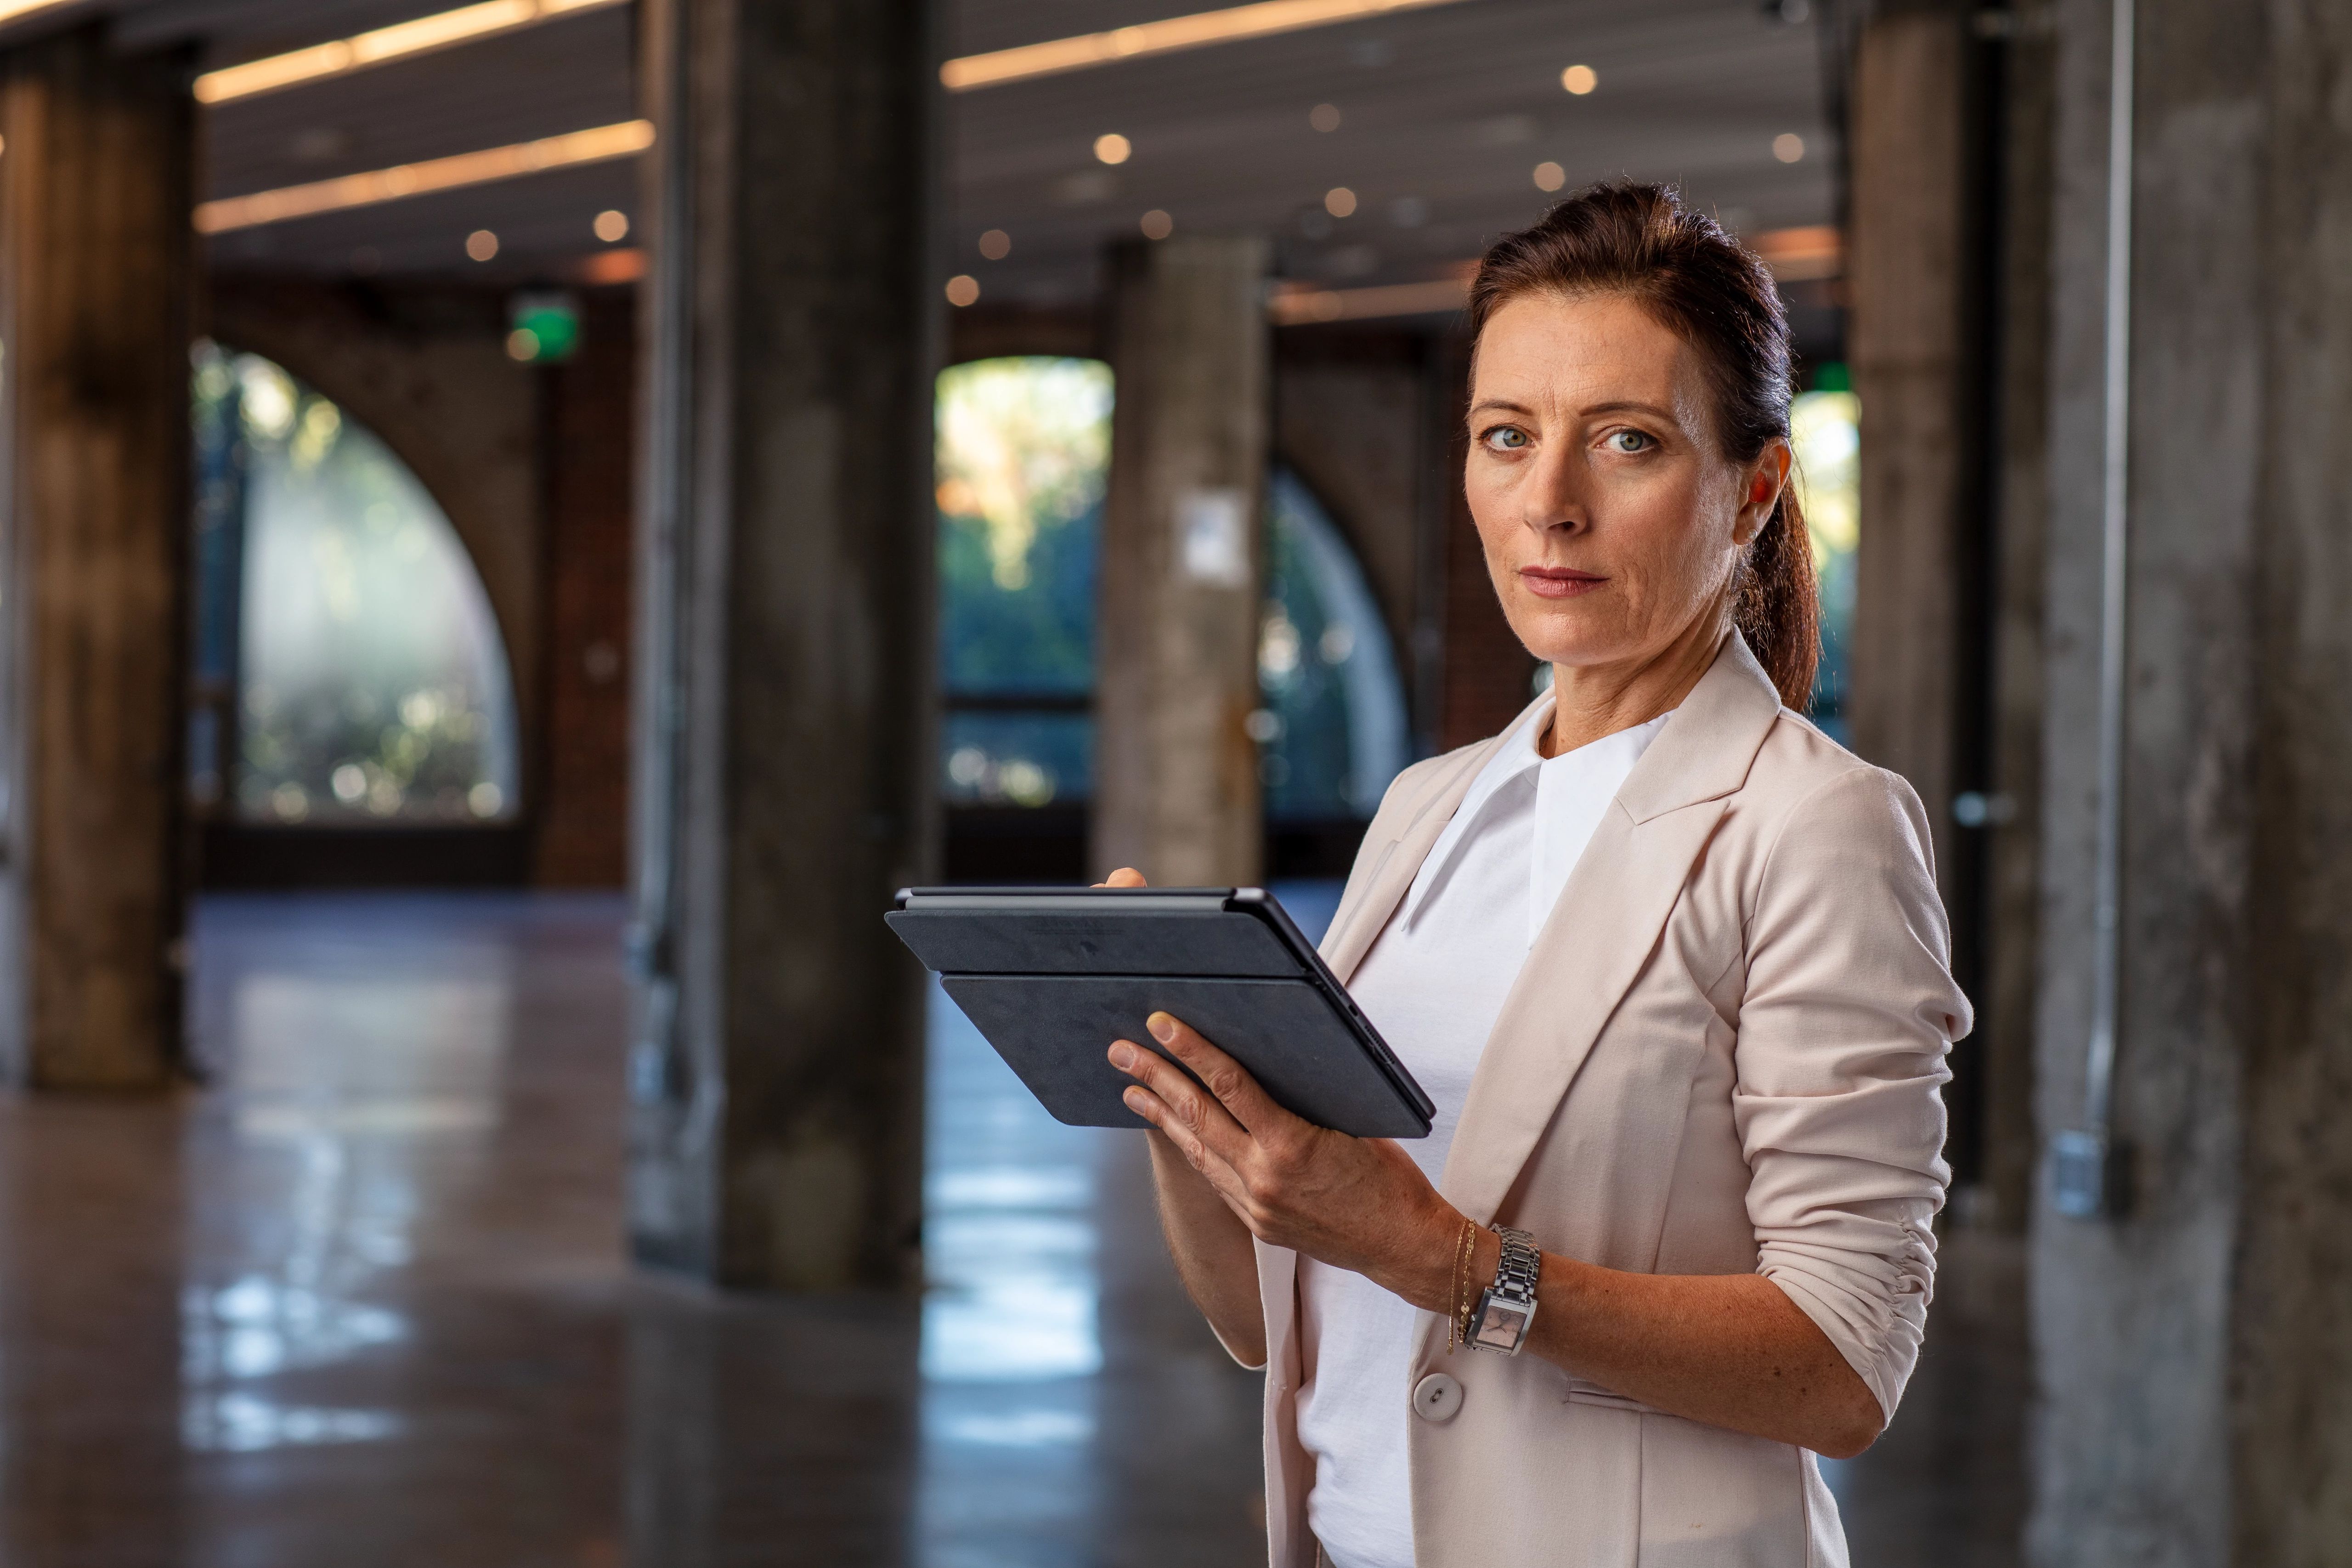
{"x": 1670, "y": 962}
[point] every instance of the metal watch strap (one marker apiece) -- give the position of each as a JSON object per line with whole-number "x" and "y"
{"x": 1507, "y": 1306}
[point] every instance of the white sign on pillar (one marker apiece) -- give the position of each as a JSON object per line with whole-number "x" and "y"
{"x": 1212, "y": 537}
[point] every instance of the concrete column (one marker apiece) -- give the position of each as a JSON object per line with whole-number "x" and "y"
{"x": 1908, "y": 147}
{"x": 95, "y": 291}
{"x": 2020, "y": 504}
{"x": 784, "y": 712}
{"x": 1176, "y": 791}
{"x": 2195, "y": 1354}
{"x": 2291, "y": 1343}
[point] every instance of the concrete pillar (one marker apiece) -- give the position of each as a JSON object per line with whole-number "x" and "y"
{"x": 2195, "y": 1354}
{"x": 1176, "y": 791}
{"x": 95, "y": 291}
{"x": 785, "y": 709}
{"x": 2291, "y": 1339}
{"x": 2020, "y": 498}
{"x": 1945, "y": 344}
{"x": 1908, "y": 276}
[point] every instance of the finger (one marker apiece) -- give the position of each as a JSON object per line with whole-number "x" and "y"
{"x": 1223, "y": 1178}
{"x": 1168, "y": 1124}
{"x": 1235, "y": 1089}
{"x": 1124, "y": 877}
{"x": 1199, "y": 1112}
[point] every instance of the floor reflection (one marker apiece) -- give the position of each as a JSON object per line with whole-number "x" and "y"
{"x": 363, "y": 1300}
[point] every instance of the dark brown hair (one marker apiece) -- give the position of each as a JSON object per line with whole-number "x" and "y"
{"x": 1696, "y": 281}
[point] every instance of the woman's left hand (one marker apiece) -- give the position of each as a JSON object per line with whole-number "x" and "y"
{"x": 1358, "y": 1204}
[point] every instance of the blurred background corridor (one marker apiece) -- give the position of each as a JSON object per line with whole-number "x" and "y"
{"x": 528, "y": 520}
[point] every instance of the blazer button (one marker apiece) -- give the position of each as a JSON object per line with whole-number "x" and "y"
{"x": 1436, "y": 1397}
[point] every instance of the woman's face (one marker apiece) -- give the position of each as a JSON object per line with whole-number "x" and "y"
{"x": 1610, "y": 520}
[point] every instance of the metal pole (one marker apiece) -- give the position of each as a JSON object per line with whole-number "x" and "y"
{"x": 2081, "y": 1161}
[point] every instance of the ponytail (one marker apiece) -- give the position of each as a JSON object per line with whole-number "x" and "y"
{"x": 1776, "y": 604}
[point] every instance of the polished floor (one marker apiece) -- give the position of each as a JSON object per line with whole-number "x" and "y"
{"x": 361, "y": 1301}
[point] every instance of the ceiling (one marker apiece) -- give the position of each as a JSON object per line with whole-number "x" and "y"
{"x": 1444, "y": 113}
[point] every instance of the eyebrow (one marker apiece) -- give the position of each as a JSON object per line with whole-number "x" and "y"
{"x": 1625, "y": 406}
{"x": 1632, "y": 405}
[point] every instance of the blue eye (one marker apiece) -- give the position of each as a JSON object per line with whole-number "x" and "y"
{"x": 1507, "y": 438}
{"x": 1629, "y": 441}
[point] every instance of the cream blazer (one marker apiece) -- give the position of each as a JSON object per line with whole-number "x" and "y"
{"x": 1725, "y": 1055}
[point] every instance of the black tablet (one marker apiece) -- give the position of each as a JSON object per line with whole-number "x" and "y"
{"x": 1052, "y": 975}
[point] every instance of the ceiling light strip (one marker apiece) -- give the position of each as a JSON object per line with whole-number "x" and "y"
{"x": 405, "y": 180}
{"x": 399, "y": 41}
{"x": 1165, "y": 37}
{"x": 11, "y": 10}
{"x": 1301, "y": 306}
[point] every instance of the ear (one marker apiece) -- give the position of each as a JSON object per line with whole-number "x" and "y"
{"x": 1765, "y": 478}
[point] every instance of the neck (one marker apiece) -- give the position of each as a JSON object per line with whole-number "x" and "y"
{"x": 1590, "y": 701}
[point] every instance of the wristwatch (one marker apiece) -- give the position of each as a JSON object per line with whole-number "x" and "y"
{"x": 1507, "y": 1306}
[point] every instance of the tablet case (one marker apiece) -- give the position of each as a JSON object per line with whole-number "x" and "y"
{"x": 1051, "y": 978}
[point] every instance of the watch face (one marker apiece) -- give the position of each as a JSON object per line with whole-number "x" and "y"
{"x": 1500, "y": 1326}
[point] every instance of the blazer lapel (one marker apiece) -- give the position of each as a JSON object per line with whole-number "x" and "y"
{"x": 1356, "y": 925}
{"x": 1606, "y": 924}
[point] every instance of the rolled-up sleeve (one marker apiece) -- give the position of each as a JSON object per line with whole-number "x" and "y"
{"x": 1846, "y": 1018}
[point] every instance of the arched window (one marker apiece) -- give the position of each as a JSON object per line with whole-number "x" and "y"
{"x": 1333, "y": 732}
{"x": 348, "y": 669}
{"x": 1023, "y": 449}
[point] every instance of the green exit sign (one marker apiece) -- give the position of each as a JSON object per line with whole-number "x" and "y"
{"x": 543, "y": 327}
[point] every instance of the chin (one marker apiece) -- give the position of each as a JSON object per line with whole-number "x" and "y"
{"x": 1556, "y": 638}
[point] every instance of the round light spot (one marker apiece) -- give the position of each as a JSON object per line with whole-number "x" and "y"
{"x": 1580, "y": 80}
{"x": 485, "y": 799}
{"x": 1157, "y": 224}
{"x": 1324, "y": 117}
{"x": 1113, "y": 148}
{"x": 996, "y": 245}
{"x": 612, "y": 225}
{"x": 1788, "y": 147}
{"x": 1549, "y": 176}
{"x": 522, "y": 344}
{"x": 1340, "y": 201}
{"x": 481, "y": 245}
{"x": 963, "y": 289}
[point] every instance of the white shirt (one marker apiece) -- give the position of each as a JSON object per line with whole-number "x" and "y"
{"x": 1433, "y": 984}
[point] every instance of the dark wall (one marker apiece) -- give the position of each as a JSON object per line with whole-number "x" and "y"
{"x": 589, "y": 485}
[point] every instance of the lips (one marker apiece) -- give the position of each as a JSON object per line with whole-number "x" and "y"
{"x": 1560, "y": 582}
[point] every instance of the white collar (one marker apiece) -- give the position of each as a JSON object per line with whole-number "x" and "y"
{"x": 1517, "y": 758}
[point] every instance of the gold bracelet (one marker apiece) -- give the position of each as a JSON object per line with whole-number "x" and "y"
{"x": 1462, "y": 1258}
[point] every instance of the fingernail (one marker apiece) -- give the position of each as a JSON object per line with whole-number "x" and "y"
{"x": 1122, "y": 1056}
{"x": 1134, "y": 1098}
{"x": 1162, "y": 1028}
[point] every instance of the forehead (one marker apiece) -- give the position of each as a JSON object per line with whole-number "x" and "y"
{"x": 1568, "y": 352}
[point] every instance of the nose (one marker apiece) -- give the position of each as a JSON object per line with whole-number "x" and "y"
{"x": 1553, "y": 496}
